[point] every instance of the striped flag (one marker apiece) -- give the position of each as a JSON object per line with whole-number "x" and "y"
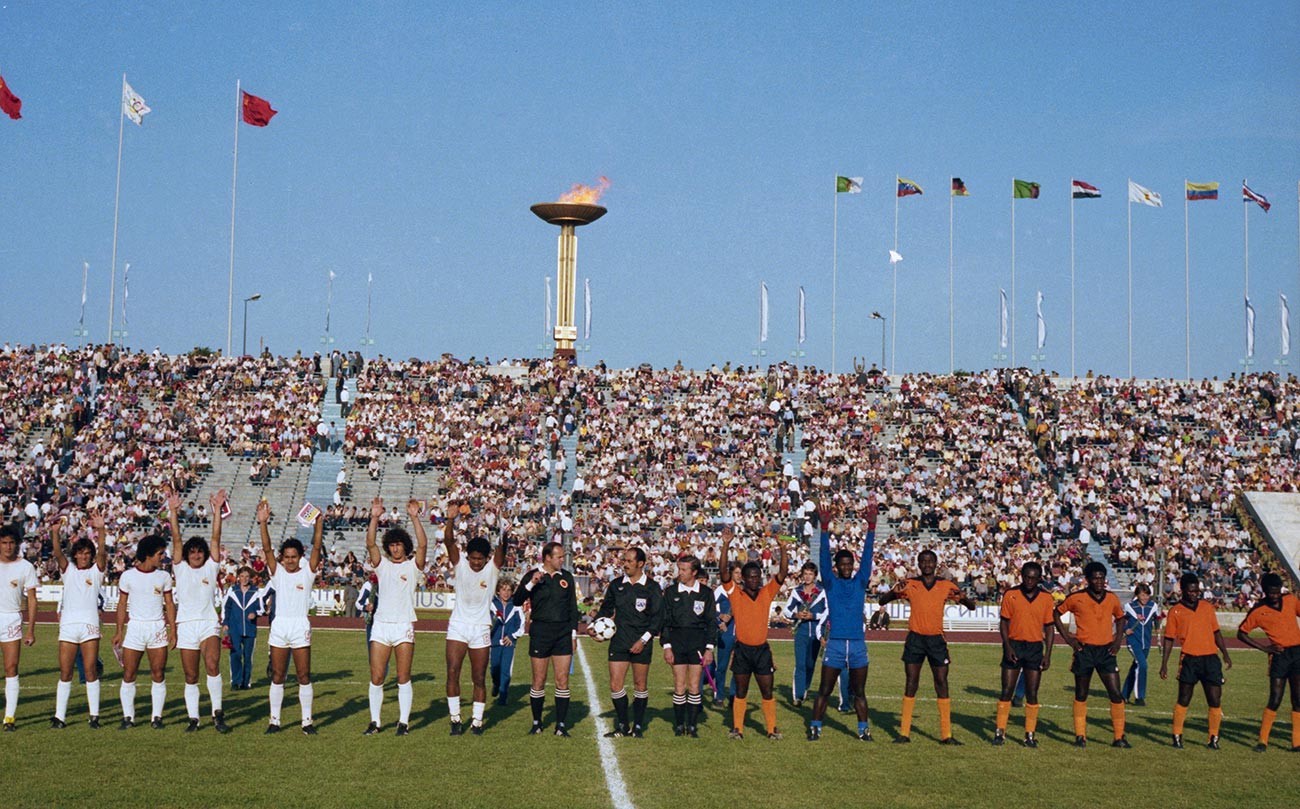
{"x": 1250, "y": 196}
{"x": 1081, "y": 190}
{"x": 959, "y": 188}
{"x": 1199, "y": 191}
{"x": 907, "y": 188}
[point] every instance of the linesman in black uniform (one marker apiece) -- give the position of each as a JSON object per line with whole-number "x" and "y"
{"x": 635, "y": 602}
{"x": 554, "y": 594}
{"x": 690, "y": 631}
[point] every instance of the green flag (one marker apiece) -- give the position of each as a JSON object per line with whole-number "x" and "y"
{"x": 1023, "y": 189}
{"x": 848, "y": 185}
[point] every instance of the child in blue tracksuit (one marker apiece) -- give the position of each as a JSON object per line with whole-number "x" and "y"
{"x": 807, "y": 608}
{"x": 1141, "y": 617}
{"x": 507, "y": 627}
{"x": 239, "y": 611}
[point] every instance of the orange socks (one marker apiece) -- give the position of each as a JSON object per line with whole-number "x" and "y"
{"x": 945, "y": 718}
{"x": 1080, "y": 718}
{"x": 1031, "y": 718}
{"x": 1004, "y": 713}
{"x": 1266, "y": 726}
{"x": 769, "y": 714}
{"x": 738, "y": 706}
{"x": 1295, "y": 728}
{"x": 905, "y": 724}
{"x": 1180, "y": 716}
{"x": 1117, "y": 718}
{"x": 1216, "y": 719}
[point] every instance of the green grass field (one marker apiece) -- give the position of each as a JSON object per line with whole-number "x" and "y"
{"x": 506, "y": 767}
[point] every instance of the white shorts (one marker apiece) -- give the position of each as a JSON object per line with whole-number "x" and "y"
{"x": 392, "y": 633}
{"x": 476, "y": 636}
{"x": 290, "y": 633}
{"x": 191, "y": 634}
{"x": 11, "y": 627}
{"x": 143, "y": 635}
{"x": 78, "y": 632}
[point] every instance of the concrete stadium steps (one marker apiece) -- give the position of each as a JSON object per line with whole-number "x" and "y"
{"x": 285, "y": 495}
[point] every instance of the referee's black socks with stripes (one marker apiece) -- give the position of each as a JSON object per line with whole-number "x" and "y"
{"x": 640, "y": 699}
{"x": 562, "y": 706}
{"x": 694, "y": 704}
{"x": 679, "y": 710}
{"x": 537, "y": 699}
{"x": 619, "y": 698}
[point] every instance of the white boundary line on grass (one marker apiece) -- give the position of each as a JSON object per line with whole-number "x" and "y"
{"x": 608, "y": 758}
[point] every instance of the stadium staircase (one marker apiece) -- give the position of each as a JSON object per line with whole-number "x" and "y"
{"x": 325, "y": 464}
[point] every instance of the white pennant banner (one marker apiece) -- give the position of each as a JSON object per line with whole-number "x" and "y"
{"x": 762, "y": 312}
{"x": 586, "y": 308}
{"x": 1042, "y": 325}
{"x": 803, "y": 318}
{"x": 1250, "y": 330}
{"x": 1002, "y": 319}
{"x": 1286, "y": 326}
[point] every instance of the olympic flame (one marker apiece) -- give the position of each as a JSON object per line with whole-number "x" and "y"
{"x": 586, "y": 194}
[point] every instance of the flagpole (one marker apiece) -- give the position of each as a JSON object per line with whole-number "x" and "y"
{"x": 1073, "y": 375}
{"x": 1130, "y": 285}
{"x": 835, "y": 235}
{"x": 893, "y": 315}
{"x": 117, "y": 195}
{"x": 1245, "y": 216}
{"x": 1187, "y": 282}
{"x": 234, "y": 178}
{"x": 951, "y": 364}
{"x": 370, "y": 280}
{"x": 1013, "y": 272}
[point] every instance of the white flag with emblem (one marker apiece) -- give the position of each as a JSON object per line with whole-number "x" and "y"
{"x": 133, "y": 105}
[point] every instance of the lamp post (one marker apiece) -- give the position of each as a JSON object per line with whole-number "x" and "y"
{"x": 249, "y": 299}
{"x": 882, "y": 319}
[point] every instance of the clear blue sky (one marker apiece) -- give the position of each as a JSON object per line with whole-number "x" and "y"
{"x": 410, "y": 143}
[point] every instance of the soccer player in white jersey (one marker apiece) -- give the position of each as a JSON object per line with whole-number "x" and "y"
{"x": 196, "y": 567}
{"x": 393, "y": 630}
{"x": 79, "y": 630}
{"x": 470, "y": 629}
{"x": 145, "y": 595}
{"x": 290, "y": 633}
{"x": 17, "y": 590}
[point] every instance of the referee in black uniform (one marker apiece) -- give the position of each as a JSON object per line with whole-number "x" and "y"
{"x": 690, "y": 631}
{"x": 554, "y": 594}
{"x": 635, "y": 602}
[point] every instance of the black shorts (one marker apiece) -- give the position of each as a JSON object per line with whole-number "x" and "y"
{"x": 1285, "y": 664}
{"x": 550, "y": 639}
{"x": 1094, "y": 658}
{"x": 752, "y": 659}
{"x": 1029, "y": 656}
{"x": 688, "y": 647}
{"x": 919, "y": 648}
{"x": 620, "y": 651}
{"x": 1193, "y": 669}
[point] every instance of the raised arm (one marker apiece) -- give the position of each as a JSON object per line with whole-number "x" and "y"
{"x": 421, "y": 538}
{"x": 218, "y": 503}
{"x": 101, "y": 540}
{"x": 503, "y": 540}
{"x": 449, "y": 535}
{"x": 784, "y": 567}
{"x": 317, "y": 543}
{"x": 56, "y": 543}
{"x": 824, "y": 519}
{"x": 865, "y": 564}
{"x": 173, "y": 522}
{"x": 724, "y": 565}
{"x": 372, "y": 546}
{"x": 268, "y": 553}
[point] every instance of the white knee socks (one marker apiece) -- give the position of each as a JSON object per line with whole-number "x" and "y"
{"x": 215, "y": 685}
{"x": 11, "y": 697}
{"x": 277, "y": 700}
{"x": 92, "y": 697}
{"x": 453, "y": 708}
{"x": 158, "y": 698}
{"x": 477, "y": 713}
{"x": 305, "y": 693}
{"x": 192, "y": 700}
{"x": 127, "y": 695}
{"x": 61, "y": 694}
{"x": 404, "y": 694}
{"x": 376, "y": 702}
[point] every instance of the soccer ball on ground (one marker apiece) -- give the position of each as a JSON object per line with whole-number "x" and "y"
{"x": 603, "y": 628}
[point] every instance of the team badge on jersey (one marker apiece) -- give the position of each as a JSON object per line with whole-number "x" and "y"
{"x": 564, "y": 583}
{"x": 13, "y": 583}
{"x": 640, "y": 605}
{"x": 205, "y": 582}
{"x": 157, "y": 590}
{"x": 698, "y": 606}
{"x": 482, "y": 585}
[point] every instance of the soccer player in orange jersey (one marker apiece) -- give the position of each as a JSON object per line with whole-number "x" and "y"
{"x": 1099, "y": 632}
{"x": 751, "y": 607}
{"x": 1193, "y": 624}
{"x": 1276, "y": 615}
{"x": 1027, "y": 626}
{"x": 928, "y": 594}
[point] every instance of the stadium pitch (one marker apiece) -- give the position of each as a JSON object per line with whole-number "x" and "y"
{"x": 506, "y": 767}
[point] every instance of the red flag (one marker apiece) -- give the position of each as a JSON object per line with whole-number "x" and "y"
{"x": 257, "y": 111}
{"x": 11, "y": 104}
